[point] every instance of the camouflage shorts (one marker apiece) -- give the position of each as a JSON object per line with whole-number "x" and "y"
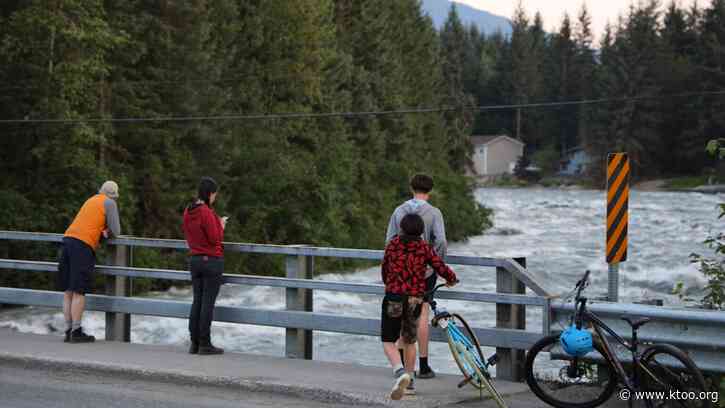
{"x": 399, "y": 318}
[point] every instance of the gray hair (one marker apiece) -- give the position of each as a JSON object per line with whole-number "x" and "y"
{"x": 110, "y": 189}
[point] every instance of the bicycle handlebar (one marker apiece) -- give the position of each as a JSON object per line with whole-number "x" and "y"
{"x": 432, "y": 292}
{"x": 582, "y": 284}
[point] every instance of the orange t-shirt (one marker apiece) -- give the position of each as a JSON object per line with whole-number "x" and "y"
{"x": 89, "y": 222}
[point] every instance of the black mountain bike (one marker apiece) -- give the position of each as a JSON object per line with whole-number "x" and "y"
{"x": 660, "y": 376}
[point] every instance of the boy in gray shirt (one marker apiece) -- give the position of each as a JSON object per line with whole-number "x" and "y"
{"x": 435, "y": 234}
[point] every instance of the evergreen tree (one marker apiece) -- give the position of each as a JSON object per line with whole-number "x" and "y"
{"x": 454, "y": 49}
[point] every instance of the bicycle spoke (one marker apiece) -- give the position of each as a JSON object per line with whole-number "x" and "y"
{"x": 561, "y": 380}
{"x": 669, "y": 370}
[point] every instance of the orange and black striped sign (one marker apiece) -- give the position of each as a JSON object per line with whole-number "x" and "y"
{"x": 617, "y": 206}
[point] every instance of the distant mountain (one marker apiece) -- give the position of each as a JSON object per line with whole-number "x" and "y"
{"x": 486, "y": 22}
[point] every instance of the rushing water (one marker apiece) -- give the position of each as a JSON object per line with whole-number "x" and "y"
{"x": 560, "y": 232}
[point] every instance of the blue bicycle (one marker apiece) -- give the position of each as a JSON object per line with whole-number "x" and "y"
{"x": 466, "y": 350}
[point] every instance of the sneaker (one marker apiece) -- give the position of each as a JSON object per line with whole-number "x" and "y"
{"x": 78, "y": 336}
{"x": 425, "y": 373}
{"x": 67, "y": 336}
{"x": 401, "y": 383}
{"x": 410, "y": 389}
{"x": 194, "y": 347}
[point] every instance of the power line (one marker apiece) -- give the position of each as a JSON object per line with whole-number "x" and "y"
{"x": 42, "y": 83}
{"x": 113, "y": 84}
{"x": 307, "y": 115}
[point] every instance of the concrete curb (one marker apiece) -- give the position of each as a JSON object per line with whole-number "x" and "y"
{"x": 181, "y": 377}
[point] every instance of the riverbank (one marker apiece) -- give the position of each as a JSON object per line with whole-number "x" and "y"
{"x": 681, "y": 184}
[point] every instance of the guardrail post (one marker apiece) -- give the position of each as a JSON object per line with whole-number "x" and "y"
{"x": 118, "y": 325}
{"x": 510, "y": 364}
{"x": 298, "y": 342}
{"x": 546, "y": 317}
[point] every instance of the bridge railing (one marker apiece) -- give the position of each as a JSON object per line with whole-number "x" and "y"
{"x": 509, "y": 336}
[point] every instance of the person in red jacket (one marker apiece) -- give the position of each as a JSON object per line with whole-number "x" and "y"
{"x": 204, "y": 233}
{"x": 403, "y": 272}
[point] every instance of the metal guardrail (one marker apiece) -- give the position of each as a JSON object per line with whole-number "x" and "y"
{"x": 509, "y": 336}
{"x": 700, "y": 333}
{"x": 508, "y": 264}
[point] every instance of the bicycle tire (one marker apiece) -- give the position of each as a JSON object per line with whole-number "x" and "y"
{"x": 686, "y": 365}
{"x": 484, "y": 378}
{"x": 533, "y": 381}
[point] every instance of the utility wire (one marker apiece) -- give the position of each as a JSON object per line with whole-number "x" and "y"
{"x": 306, "y": 115}
{"x": 114, "y": 84}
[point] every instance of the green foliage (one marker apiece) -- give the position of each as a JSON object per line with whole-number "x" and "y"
{"x": 681, "y": 183}
{"x": 714, "y": 268}
{"x": 547, "y": 159}
{"x": 716, "y": 147}
{"x": 506, "y": 180}
{"x": 522, "y": 172}
{"x": 328, "y": 181}
{"x": 649, "y": 52}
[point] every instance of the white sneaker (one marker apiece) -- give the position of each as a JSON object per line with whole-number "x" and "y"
{"x": 401, "y": 383}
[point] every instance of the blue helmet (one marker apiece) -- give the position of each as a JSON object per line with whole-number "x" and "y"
{"x": 576, "y": 342}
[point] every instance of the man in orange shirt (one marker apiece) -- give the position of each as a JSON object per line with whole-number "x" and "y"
{"x": 97, "y": 218}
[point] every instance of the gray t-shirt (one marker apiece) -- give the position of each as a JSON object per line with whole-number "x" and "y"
{"x": 434, "y": 232}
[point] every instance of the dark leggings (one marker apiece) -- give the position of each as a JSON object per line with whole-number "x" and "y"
{"x": 206, "y": 278}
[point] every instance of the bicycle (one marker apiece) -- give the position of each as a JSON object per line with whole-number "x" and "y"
{"x": 466, "y": 350}
{"x": 565, "y": 381}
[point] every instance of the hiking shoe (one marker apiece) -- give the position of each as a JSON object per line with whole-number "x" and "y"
{"x": 425, "y": 373}
{"x": 399, "y": 386}
{"x": 78, "y": 336}
{"x": 67, "y": 336}
{"x": 209, "y": 350}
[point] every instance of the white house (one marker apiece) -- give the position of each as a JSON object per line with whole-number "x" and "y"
{"x": 495, "y": 155}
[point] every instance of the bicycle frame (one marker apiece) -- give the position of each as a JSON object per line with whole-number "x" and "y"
{"x": 456, "y": 334}
{"x": 583, "y": 315}
{"x": 443, "y": 320}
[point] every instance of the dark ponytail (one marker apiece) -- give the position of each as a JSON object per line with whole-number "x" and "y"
{"x": 207, "y": 186}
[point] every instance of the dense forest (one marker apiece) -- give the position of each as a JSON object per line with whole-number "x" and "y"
{"x": 137, "y": 91}
{"x": 660, "y": 69}
{"x": 331, "y": 181}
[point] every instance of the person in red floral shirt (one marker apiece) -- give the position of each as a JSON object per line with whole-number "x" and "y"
{"x": 403, "y": 272}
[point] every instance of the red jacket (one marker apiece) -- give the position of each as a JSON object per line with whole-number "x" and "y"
{"x": 405, "y": 263}
{"x": 203, "y": 231}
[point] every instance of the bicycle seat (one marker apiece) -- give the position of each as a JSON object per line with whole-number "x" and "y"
{"x": 636, "y": 322}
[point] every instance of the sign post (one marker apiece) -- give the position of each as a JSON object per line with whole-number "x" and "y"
{"x": 617, "y": 217}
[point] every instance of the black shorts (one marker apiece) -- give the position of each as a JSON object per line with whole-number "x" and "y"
{"x": 399, "y": 318}
{"x": 76, "y": 266}
{"x": 430, "y": 284}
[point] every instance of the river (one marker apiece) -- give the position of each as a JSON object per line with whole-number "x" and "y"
{"x": 560, "y": 232}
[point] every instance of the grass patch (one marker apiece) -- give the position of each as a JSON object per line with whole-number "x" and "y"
{"x": 507, "y": 180}
{"x": 681, "y": 183}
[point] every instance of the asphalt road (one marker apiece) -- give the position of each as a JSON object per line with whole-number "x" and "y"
{"x": 28, "y": 388}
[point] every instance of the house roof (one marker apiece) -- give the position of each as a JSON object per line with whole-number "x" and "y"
{"x": 485, "y": 140}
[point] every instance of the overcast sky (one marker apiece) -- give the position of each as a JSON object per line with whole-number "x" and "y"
{"x": 553, "y": 10}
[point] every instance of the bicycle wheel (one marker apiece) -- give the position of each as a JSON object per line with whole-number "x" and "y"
{"x": 673, "y": 378}
{"x": 552, "y": 378}
{"x": 469, "y": 358}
